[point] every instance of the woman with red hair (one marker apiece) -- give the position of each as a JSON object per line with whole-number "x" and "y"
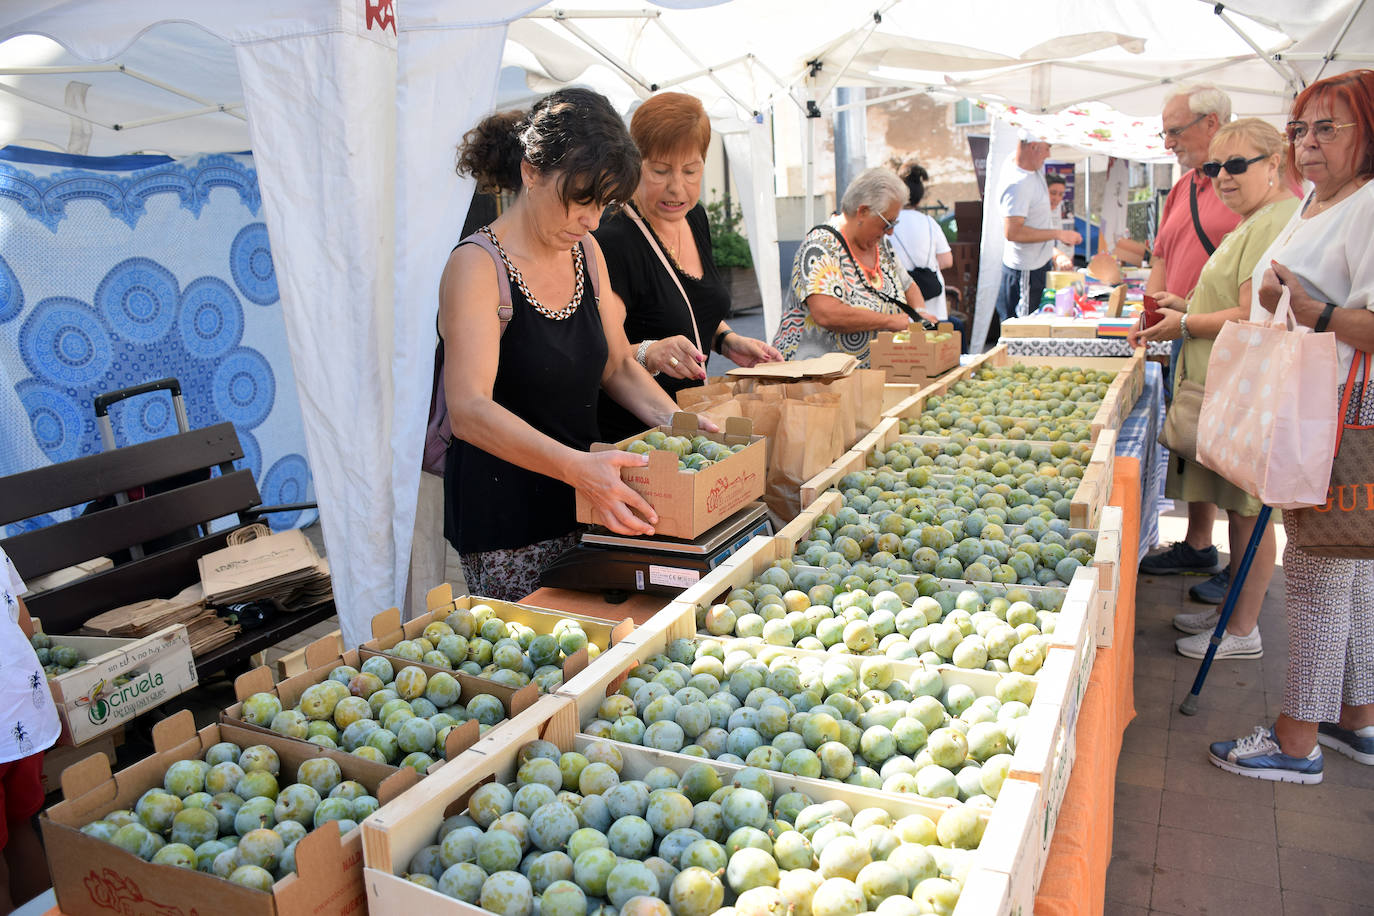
{"x": 658, "y": 256}
{"x": 1324, "y": 257}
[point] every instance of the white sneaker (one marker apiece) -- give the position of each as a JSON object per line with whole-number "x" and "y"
{"x": 1232, "y": 646}
{"x": 1197, "y": 621}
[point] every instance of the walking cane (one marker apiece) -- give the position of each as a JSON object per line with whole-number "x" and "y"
{"x": 1189, "y": 705}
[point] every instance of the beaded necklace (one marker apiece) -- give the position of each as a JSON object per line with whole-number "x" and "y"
{"x": 566, "y": 311}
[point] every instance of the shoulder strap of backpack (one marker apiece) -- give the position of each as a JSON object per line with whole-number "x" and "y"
{"x": 589, "y": 254}
{"x": 482, "y": 241}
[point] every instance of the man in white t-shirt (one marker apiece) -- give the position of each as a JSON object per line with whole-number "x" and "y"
{"x": 28, "y": 726}
{"x": 1023, "y": 200}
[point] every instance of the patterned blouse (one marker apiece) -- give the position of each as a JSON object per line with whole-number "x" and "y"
{"x": 823, "y": 266}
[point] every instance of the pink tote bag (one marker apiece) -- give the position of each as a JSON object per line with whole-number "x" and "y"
{"x": 1268, "y": 422}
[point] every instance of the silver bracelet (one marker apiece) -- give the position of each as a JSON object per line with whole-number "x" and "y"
{"x": 1183, "y": 327}
{"x": 643, "y": 353}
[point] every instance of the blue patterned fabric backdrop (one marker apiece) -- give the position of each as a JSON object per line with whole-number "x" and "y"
{"x": 118, "y": 271}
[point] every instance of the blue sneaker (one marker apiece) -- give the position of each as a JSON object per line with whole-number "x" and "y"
{"x": 1214, "y": 590}
{"x": 1351, "y": 744}
{"x": 1258, "y": 756}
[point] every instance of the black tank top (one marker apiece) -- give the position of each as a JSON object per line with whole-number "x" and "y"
{"x": 549, "y": 375}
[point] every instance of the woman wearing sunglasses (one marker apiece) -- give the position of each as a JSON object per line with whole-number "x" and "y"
{"x": 1246, "y": 167}
{"x": 1324, "y": 257}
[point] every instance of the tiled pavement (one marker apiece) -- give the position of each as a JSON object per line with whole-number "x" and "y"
{"x": 1192, "y": 839}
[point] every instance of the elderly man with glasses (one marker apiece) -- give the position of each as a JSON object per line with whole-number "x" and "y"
{"x": 1029, "y": 228}
{"x": 1193, "y": 224}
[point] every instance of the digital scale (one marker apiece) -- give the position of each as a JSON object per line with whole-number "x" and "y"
{"x": 618, "y": 566}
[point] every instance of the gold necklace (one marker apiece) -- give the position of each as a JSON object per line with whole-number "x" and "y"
{"x": 1318, "y": 205}
{"x": 670, "y": 250}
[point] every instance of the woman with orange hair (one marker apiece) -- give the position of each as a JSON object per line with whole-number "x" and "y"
{"x": 1324, "y": 257}
{"x": 658, "y": 256}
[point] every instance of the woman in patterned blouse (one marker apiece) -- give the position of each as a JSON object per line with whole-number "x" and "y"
{"x": 846, "y": 282}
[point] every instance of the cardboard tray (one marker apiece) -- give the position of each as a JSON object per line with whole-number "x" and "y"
{"x": 88, "y": 703}
{"x": 917, "y": 359}
{"x": 1085, "y": 506}
{"x": 387, "y": 629}
{"x": 326, "y": 654}
{"x": 690, "y": 504}
{"x": 92, "y": 877}
{"x": 393, "y": 834}
{"x": 831, "y": 365}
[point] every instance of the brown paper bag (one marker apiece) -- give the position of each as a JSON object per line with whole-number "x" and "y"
{"x": 689, "y": 398}
{"x": 848, "y": 389}
{"x": 803, "y": 448}
{"x": 284, "y": 559}
{"x": 718, "y": 411}
{"x": 765, "y": 414}
{"x": 871, "y": 382}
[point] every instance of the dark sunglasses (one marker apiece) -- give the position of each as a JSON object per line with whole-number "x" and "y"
{"x": 1233, "y": 166}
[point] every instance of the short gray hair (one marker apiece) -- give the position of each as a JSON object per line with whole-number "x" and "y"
{"x": 1204, "y": 99}
{"x": 875, "y": 188}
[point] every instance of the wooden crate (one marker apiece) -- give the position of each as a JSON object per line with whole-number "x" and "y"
{"x": 394, "y": 833}
{"x": 397, "y": 831}
{"x": 1091, "y": 497}
{"x": 1107, "y": 561}
{"x": 92, "y": 877}
{"x": 326, "y": 654}
{"x": 1009, "y": 850}
{"x": 388, "y": 630}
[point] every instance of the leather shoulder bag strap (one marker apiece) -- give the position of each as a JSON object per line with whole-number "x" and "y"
{"x": 907, "y": 309}
{"x": 638, "y": 220}
{"x": 1197, "y": 220}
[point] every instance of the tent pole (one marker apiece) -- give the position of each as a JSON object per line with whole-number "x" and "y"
{"x": 706, "y": 71}
{"x": 867, "y": 103}
{"x": 809, "y": 174}
{"x": 1340, "y": 36}
{"x": 605, "y": 53}
{"x": 1220, "y": 10}
{"x": 1088, "y": 207}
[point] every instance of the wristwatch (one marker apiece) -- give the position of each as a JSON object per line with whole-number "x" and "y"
{"x": 1325, "y": 318}
{"x": 1183, "y": 327}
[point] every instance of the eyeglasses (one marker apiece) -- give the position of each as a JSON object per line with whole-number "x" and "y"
{"x": 1236, "y": 165}
{"x": 888, "y": 225}
{"x": 1176, "y": 132}
{"x": 1324, "y": 131}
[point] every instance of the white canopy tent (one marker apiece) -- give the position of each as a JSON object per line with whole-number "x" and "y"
{"x": 352, "y": 108}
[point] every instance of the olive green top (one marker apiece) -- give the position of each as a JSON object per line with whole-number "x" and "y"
{"x": 1218, "y": 286}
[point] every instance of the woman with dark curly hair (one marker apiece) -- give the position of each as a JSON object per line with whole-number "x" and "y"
{"x": 525, "y": 364}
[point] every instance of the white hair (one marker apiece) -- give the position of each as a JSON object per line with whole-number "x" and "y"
{"x": 1204, "y": 99}
{"x": 875, "y": 188}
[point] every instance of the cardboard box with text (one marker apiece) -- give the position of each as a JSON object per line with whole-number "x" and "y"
{"x": 687, "y": 503}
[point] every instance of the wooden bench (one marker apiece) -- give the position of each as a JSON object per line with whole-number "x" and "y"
{"x": 181, "y": 514}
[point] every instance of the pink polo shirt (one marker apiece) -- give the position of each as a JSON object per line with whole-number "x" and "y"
{"x": 1177, "y": 242}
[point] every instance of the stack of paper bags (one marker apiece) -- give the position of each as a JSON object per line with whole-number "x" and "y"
{"x": 282, "y": 567}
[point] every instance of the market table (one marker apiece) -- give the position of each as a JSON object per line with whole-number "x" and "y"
{"x": 1138, "y": 438}
{"x": 1079, "y": 346}
{"x": 1075, "y": 878}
